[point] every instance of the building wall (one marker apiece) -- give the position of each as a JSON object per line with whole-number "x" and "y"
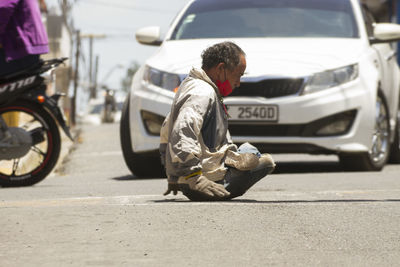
{"x": 60, "y": 45}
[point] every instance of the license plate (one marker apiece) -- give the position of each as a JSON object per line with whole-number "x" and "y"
{"x": 253, "y": 113}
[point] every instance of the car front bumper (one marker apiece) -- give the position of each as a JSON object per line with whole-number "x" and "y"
{"x": 305, "y": 111}
{"x": 294, "y": 111}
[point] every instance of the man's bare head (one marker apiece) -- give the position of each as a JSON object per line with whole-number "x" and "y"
{"x": 224, "y": 61}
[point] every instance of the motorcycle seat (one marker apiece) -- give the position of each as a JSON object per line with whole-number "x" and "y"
{"x": 31, "y": 70}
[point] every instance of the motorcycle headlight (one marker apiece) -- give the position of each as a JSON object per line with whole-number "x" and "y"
{"x": 162, "y": 79}
{"x": 331, "y": 78}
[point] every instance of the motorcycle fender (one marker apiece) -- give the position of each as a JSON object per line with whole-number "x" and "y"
{"x": 51, "y": 104}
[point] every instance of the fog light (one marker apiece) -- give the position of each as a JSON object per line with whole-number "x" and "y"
{"x": 337, "y": 124}
{"x": 336, "y": 127}
{"x": 152, "y": 122}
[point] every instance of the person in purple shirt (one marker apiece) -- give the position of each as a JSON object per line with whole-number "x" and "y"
{"x": 23, "y": 37}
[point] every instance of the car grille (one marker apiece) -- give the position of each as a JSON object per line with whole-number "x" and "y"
{"x": 265, "y": 130}
{"x": 291, "y": 130}
{"x": 270, "y": 88}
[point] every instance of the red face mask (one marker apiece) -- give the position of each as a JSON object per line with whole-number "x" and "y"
{"x": 224, "y": 88}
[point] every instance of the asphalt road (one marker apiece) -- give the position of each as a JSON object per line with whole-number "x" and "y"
{"x": 93, "y": 212}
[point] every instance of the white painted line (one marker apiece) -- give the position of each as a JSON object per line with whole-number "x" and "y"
{"x": 94, "y": 154}
{"x": 251, "y": 198}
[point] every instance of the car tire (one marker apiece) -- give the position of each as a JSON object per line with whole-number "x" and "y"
{"x": 395, "y": 149}
{"x": 376, "y": 159}
{"x": 143, "y": 165}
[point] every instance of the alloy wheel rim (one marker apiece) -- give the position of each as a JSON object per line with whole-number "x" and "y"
{"x": 38, "y": 154}
{"x": 380, "y": 138}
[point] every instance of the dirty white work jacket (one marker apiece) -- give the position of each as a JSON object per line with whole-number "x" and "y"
{"x": 195, "y": 136}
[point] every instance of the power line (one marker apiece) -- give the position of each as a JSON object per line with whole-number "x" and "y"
{"x": 130, "y": 7}
{"x": 102, "y": 27}
{"x": 116, "y": 35}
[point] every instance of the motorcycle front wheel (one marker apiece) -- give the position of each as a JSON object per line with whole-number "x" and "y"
{"x": 43, "y": 154}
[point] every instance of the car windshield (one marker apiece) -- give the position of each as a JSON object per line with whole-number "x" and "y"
{"x": 267, "y": 18}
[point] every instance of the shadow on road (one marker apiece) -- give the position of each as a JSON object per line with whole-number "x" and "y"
{"x": 286, "y": 167}
{"x": 308, "y": 167}
{"x": 278, "y": 201}
{"x": 132, "y": 177}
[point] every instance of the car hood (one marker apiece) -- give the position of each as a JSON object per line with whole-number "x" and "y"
{"x": 277, "y": 57}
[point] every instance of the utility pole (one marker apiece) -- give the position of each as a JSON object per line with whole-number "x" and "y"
{"x": 96, "y": 69}
{"x": 92, "y": 91}
{"x": 76, "y": 78}
{"x": 91, "y": 39}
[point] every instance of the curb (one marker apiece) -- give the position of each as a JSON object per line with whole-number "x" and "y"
{"x": 67, "y": 146}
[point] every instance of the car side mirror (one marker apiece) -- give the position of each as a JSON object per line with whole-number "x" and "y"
{"x": 149, "y": 36}
{"x": 386, "y": 32}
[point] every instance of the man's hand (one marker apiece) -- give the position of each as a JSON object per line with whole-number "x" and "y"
{"x": 172, "y": 187}
{"x": 207, "y": 187}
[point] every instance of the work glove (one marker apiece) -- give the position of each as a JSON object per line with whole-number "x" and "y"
{"x": 241, "y": 161}
{"x": 201, "y": 184}
{"x": 172, "y": 187}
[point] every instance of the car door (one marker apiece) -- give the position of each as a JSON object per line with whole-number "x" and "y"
{"x": 387, "y": 62}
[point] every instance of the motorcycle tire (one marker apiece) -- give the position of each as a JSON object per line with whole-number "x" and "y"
{"x": 45, "y": 153}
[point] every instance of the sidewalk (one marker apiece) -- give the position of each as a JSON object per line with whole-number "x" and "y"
{"x": 67, "y": 146}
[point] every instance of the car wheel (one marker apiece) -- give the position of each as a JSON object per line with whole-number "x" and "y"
{"x": 395, "y": 150}
{"x": 144, "y": 165}
{"x": 377, "y": 157}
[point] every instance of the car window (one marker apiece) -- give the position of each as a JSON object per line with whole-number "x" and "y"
{"x": 268, "y": 18}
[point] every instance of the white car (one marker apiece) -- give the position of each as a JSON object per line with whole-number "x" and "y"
{"x": 322, "y": 78}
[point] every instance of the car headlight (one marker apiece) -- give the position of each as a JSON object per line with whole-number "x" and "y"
{"x": 331, "y": 78}
{"x": 161, "y": 79}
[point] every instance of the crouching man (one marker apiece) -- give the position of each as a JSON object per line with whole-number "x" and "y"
{"x": 196, "y": 148}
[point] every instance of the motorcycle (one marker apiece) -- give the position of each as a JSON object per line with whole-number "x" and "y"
{"x": 30, "y": 140}
{"x": 109, "y": 107}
